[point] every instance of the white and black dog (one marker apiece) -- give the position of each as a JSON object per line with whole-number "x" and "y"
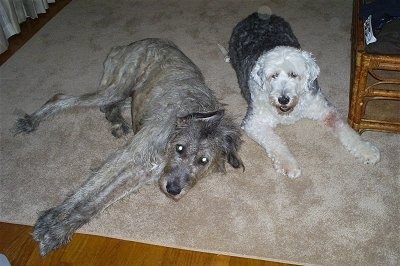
{"x": 279, "y": 82}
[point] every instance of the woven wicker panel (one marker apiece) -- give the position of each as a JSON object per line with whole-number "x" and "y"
{"x": 374, "y": 85}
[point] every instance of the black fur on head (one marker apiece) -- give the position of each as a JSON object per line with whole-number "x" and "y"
{"x": 251, "y": 38}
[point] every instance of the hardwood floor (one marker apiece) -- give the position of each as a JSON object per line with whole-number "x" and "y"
{"x": 18, "y": 246}
{"x": 30, "y": 27}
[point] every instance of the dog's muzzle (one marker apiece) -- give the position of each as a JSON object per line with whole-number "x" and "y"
{"x": 173, "y": 188}
{"x": 285, "y": 104}
{"x": 283, "y": 101}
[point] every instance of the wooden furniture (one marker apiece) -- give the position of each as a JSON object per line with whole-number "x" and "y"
{"x": 374, "y": 85}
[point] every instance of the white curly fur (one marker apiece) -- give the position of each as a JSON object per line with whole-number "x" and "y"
{"x": 290, "y": 74}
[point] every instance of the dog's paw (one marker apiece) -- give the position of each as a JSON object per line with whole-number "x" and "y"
{"x": 367, "y": 153}
{"x": 51, "y": 231}
{"x": 288, "y": 168}
{"x": 25, "y": 124}
{"x": 121, "y": 129}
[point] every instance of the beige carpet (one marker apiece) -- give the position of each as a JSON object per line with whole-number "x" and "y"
{"x": 340, "y": 212}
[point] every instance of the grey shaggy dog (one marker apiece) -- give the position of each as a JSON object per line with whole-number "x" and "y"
{"x": 279, "y": 82}
{"x": 181, "y": 134}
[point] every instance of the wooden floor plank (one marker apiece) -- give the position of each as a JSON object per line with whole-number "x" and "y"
{"x": 19, "y": 247}
{"x": 30, "y": 27}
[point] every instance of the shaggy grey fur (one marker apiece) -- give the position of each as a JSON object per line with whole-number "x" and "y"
{"x": 181, "y": 134}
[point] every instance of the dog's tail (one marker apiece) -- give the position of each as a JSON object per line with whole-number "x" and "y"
{"x": 264, "y": 12}
{"x": 224, "y": 53}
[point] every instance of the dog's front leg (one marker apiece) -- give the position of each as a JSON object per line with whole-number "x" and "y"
{"x": 115, "y": 179}
{"x": 362, "y": 150}
{"x": 282, "y": 158}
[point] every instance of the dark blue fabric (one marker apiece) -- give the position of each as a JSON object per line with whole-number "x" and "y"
{"x": 382, "y": 11}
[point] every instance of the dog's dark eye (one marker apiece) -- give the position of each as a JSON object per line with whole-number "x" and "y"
{"x": 203, "y": 160}
{"x": 275, "y": 75}
{"x": 293, "y": 75}
{"x": 179, "y": 148}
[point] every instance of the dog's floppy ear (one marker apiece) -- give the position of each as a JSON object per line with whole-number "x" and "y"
{"x": 233, "y": 142}
{"x": 231, "y": 146}
{"x": 258, "y": 75}
{"x": 211, "y": 118}
{"x": 312, "y": 68}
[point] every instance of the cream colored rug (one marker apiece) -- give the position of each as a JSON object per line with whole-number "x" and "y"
{"x": 340, "y": 212}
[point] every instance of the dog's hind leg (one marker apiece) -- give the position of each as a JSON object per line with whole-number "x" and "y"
{"x": 112, "y": 92}
{"x": 58, "y": 103}
{"x": 119, "y": 126}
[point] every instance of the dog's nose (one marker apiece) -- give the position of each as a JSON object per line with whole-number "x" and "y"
{"x": 173, "y": 189}
{"x": 284, "y": 99}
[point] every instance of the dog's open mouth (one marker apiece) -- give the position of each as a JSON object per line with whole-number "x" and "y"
{"x": 285, "y": 108}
